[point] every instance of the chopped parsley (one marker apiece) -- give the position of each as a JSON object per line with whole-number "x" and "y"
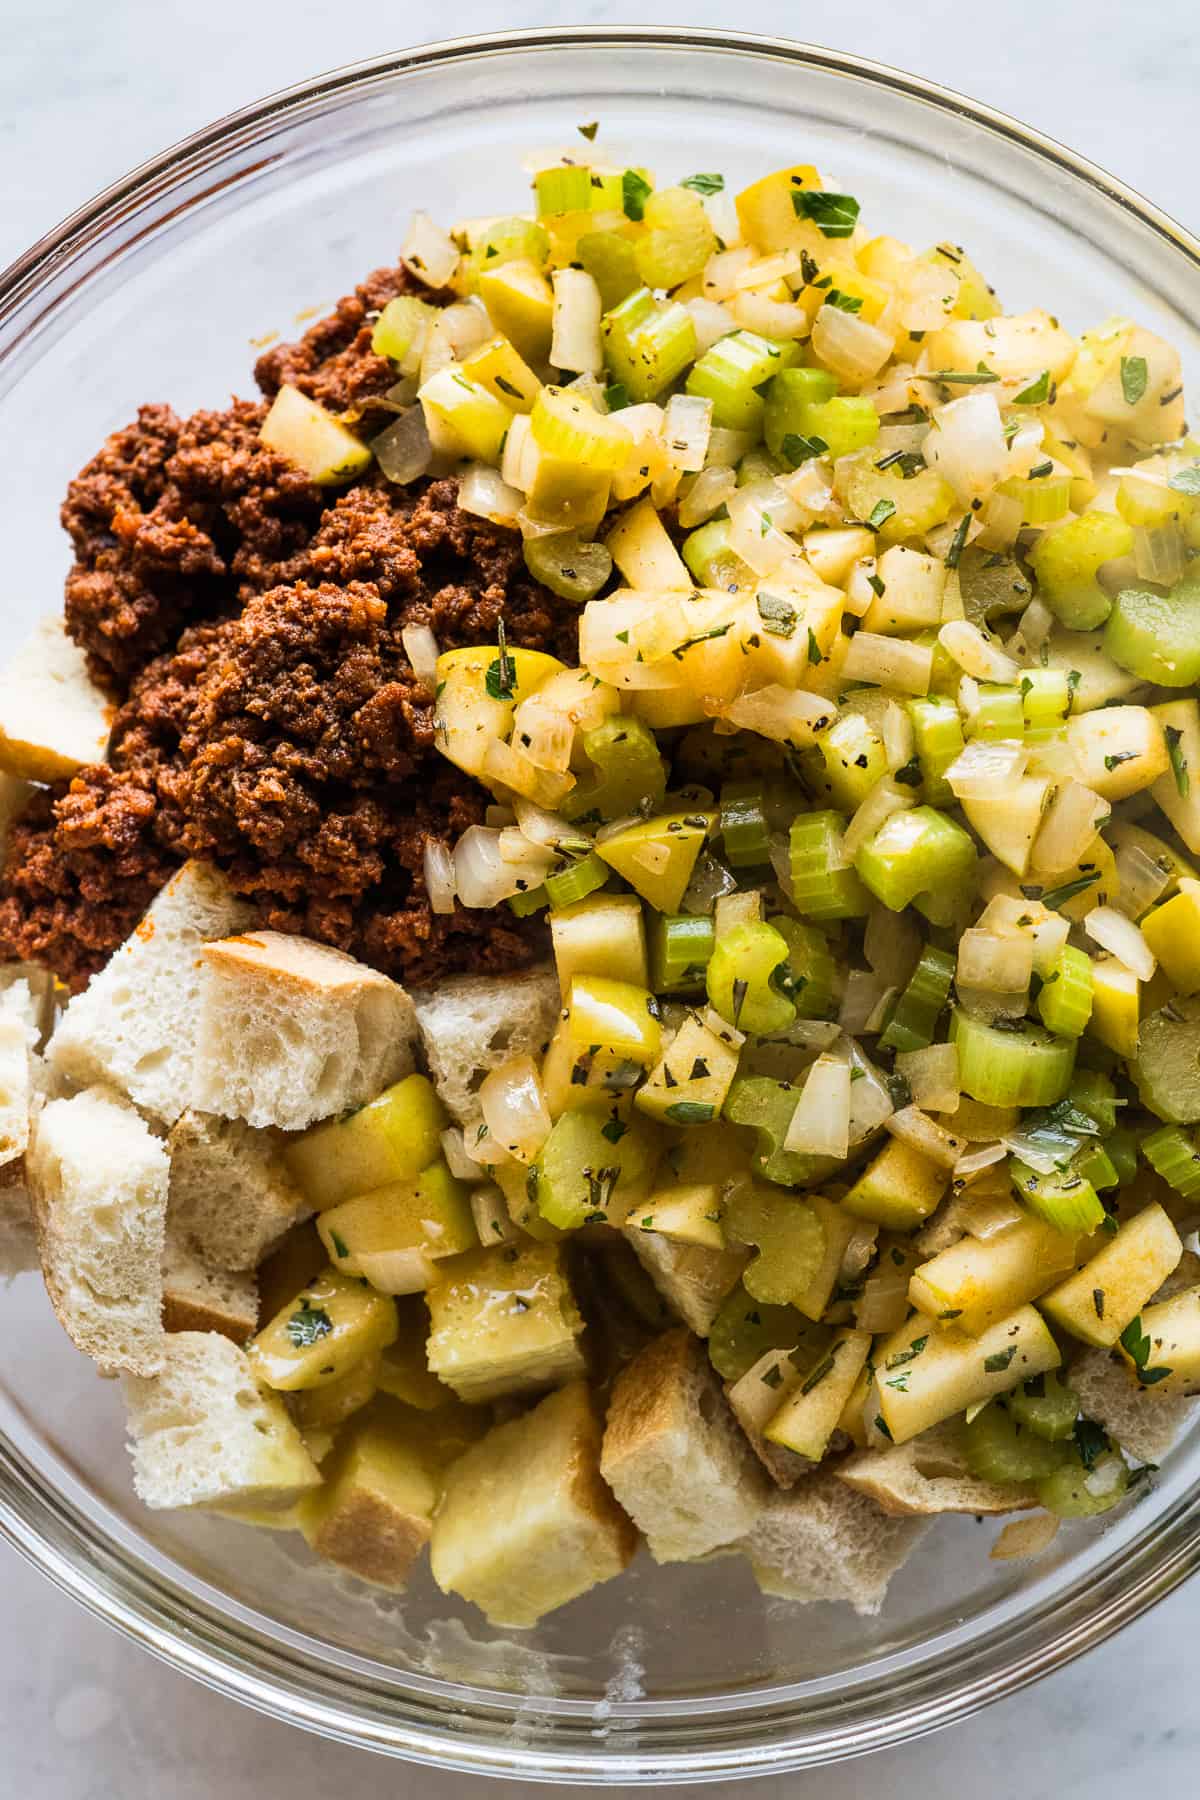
{"x": 796, "y": 449}
{"x": 1037, "y": 393}
{"x": 909, "y": 774}
{"x": 834, "y": 215}
{"x": 690, "y": 1112}
{"x": 635, "y": 190}
{"x": 589, "y": 131}
{"x": 976, "y": 377}
{"x": 881, "y": 512}
{"x": 996, "y": 1364}
{"x": 847, "y": 303}
{"x": 616, "y": 396}
{"x": 1134, "y": 376}
{"x": 1055, "y": 897}
{"x": 308, "y": 1325}
{"x": 1137, "y": 1343}
{"x": 1179, "y": 766}
{"x": 777, "y": 614}
{"x": 614, "y": 1130}
{"x": 704, "y": 184}
{"x": 1186, "y": 481}
{"x": 339, "y": 1244}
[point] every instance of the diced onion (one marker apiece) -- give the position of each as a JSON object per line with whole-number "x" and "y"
{"x": 848, "y": 345}
{"x": 891, "y": 943}
{"x": 482, "y": 876}
{"x": 727, "y": 447}
{"x": 786, "y": 715}
{"x": 466, "y": 327}
{"x": 976, "y": 654}
{"x": 861, "y": 998}
{"x": 966, "y": 445}
{"x": 719, "y": 276}
{"x": 710, "y": 491}
{"x": 1122, "y": 939}
{"x": 482, "y": 491}
{"x": 996, "y": 963}
{"x": 489, "y": 1211}
{"x": 460, "y": 1165}
{"x": 1069, "y": 827}
{"x": 888, "y": 662}
{"x": 784, "y": 319}
{"x": 421, "y": 649}
{"x": 710, "y": 879}
{"x": 932, "y": 1077}
{"x": 1142, "y": 880}
{"x": 687, "y": 425}
{"x": 926, "y": 292}
{"x": 576, "y": 322}
{"x": 976, "y": 1161}
{"x": 549, "y": 830}
{"x": 915, "y": 1127}
{"x": 428, "y": 252}
{"x": 1037, "y": 622}
{"x": 712, "y": 321}
{"x": 514, "y": 1108}
{"x": 884, "y": 799}
{"x": 820, "y": 1125}
{"x": 403, "y": 449}
{"x": 987, "y": 1215}
{"x": 897, "y": 737}
{"x": 883, "y": 1305}
{"x": 1160, "y": 552}
{"x": 440, "y": 882}
{"x": 985, "y": 771}
{"x": 870, "y": 1100}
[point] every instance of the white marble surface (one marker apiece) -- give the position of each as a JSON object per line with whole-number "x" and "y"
{"x": 88, "y": 90}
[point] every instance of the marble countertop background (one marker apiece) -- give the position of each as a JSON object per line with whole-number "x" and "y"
{"x": 86, "y": 92}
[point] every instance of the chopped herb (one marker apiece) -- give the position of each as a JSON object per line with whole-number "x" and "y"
{"x": 308, "y": 1325}
{"x": 589, "y": 131}
{"x": 1074, "y": 677}
{"x": 881, "y": 512}
{"x": 690, "y": 1112}
{"x": 1059, "y": 896}
{"x": 1041, "y": 469}
{"x": 1186, "y": 481}
{"x": 909, "y": 775}
{"x": 740, "y": 990}
{"x": 877, "y": 585}
{"x": 1091, "y": 1441}
{"x": 520, "y": 1304}
{"x": 339, "y": 1244}
{"x": 908, "y": 462}
{"x": 634, "y": 191}
{"x": 958, "y": 542}
{"x": 614, "y": 1130}
{"x": 500, "y": 679}
{"x": 966, "y": 377}
{"x": 1098, "y": 1301}
{"x": 814, "y": 649}
{"x": 773, "y": 1376}
{"x": 506, "y": 387}
{"x": 1137, "y": 1343}
{"x": 777, "y": 614}
{"x": 906, "y": 1356}
{"x": 818, "y": 1374}
{"x": 834, "y": 215}
{"x": 1121, "y": 756}
{"x": 796, "y": 449}
{"x": 1179, "y": 766}
{"x": 847, "y": 303}
{"x": 704, "y": 184}
{"x": 1037, "y": 393}
{"x": 1134, "y": 376}
{"x": 996, "y": 1365}
{"x": 616, "y": 396}
{"x": 952, "y": 1312}
{"x": 881, "y": 1426}
{"x": 715, "y": 631}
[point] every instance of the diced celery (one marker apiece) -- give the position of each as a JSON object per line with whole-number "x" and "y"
{"x": 997, "y": 1449}
{"x": 477, "y": 419}
{"x": 788, "y": 398}
{"x": 855, "y": 760}
{"x": 1042, "y": 499}
{"x": 647, "y": 345}
{"x": 915, "y": 853}
{"x": 1046, "y": 1406}
{"x": 1064, "y": 1002}
{"x": 577, "y": 880}
{"x": 821, "y": 887}
{"x": 569, "y": 566}
{"x": 845, "y": 423}
{"x": 745, "y": 1329}
{"x": 1166, "y": 1067}
{"x": 510, "y": 240}
{"x": 586, "y": 1172}
{"x": 999, "y": 714}
{"x": 1157, "y": 636}
{"x": 913, "y": 1023}
{"x": 905, "y": 508}
{"x": 608, "y": 257}
{"x": 1067, "y": 1200}
{"x": 744, "y": 829}
{"x": 937, "y": 733}
{"x": 788, "y": 1237}
{"x": 563, "y": 190}
{"x": 1066, "y": 561}
{"x": 1045, "y": 702}
{"x": 1022, "y": 1067}
{"x": 731, "y": 372}
{"x": 704, "y": 548}
{"x": 401, "y": 326}
{"x": 811, "y": 973}
{"x": 765, "y": 1107}
{"x": 567, "y": 427}
{"x": 678, "y": 238}
{"x": 1173, "y": 1154}
{"x": 1076, "y": 1492}
{"x": 680, "y": 945}
{"x": 627, "y": 770}
{"x": 742, "y": 979}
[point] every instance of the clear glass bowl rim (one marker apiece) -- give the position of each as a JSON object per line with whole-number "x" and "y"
{"x": 197, "y": 1635}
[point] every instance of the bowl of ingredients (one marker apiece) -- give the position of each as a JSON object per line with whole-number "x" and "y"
{"x": 600, "y": 904}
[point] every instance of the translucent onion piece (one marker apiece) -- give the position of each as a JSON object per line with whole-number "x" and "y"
{"x": 1142, "y": 880}
{"x": 514, "y": 1108}
{"x": 932, "y": 1077}
{"x": 1122, "y": 939}
{"x": 710, "y": 491}
{"x": 576, "y": 322}
{"x": 881, "y": 1011}
{"x": 460, "y": 1165}
{"x": 975, "y": 1161}
{"x": 1160, "y": 552}
{"x": 860, "y": 1248}
{"x": 687, "y": 426}
{"x": 861, "y": 997}
{"x": 466, "y": 327}
{"x": 820, "y": 1125}
{"x": 1037, "y": 622}
{"x": 784, "y": 319}
{"x": 439, "y": 876}
{"x": 891, "y": 943}
{"x": 870, "y": 1100}
{"x": 786, "y": 715}
{"x": 421, "y": 648}
{"x": 884, "y": 799}
{"x": 848, "y": 345}
{"x": 986, "y": 771}
{"x": 719, "y": 277}
{"x": 883, "y": 1305}
{"x": 549, "y": 830}
{"x": 428, "y": 252}
{"x": 977, "y": 655}
{"x": 710, "y": 879}
{"x": 986, "y": 1215}
{"x": 403, "y": 450}
{"x": 712, "y": 321}
{"x": 966, "y": 445}
{"x": 996, "y": 963}
{"x": 482, "y": 876}
{"x": 914, "y": 1127}
{"x": 489, "y": 1211}
{"x": 888, "y": 662}
{"x": 897, "y": 737}
{"x": 1070, "y": 824}
{"x": 727, "y": 447}
{"x": 482, "y": 491}
{"x": 810, "y": 488}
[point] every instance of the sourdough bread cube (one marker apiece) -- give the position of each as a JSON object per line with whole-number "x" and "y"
{"x": 18, "y": 1240}
{"x": 504, "y": 1321}
{"x": 202, "y": 1434}
{"x": 824, "y": 1541}
{"x": 53, "y": 718}
{"x": 1144, "y": 1421}
{"x": 674, "y": 1456}
{"x": 31, "y": 995}
{"x": 232, "y": 1198}
{"x": 134, "y": 1025}
{"x": 691, "y": 1278}
{"x": 929, "y": 1475}
{"x": 471, "y": 1024}
{"x": 16, "y": 1091}
{"x": 291, "y": 1031}
{"x": 98, "y": 1181}
{"x": 526, "y": 1523}
{"x": 199, "y": 1298}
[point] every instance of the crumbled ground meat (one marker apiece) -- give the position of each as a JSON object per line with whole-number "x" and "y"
{"x": 251, "y": 624}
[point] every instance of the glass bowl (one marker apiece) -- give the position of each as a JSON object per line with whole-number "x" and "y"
{"x": 156, "y": 290}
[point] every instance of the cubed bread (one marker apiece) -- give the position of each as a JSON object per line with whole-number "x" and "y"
{"x": 470, "y": 1024}
{"x": 199, "y": 1298}
{"x": 53, "y": 717}
{"x": 291, "y": 1031}
{"x": 504, "y": 1321}
{"x": 824, "y": 1541}
{"x": 202, "y": 1434}
{"x": 526, "y": 1522}
{"x": 16, "y": 1089}
{"x": 98, "y": 1181}
{"x": 18, "y": 1240}
{"x": 31, "y": 995}
{"x": 374, "y": 1512}
{"x": 1143, "y": 1421}
{"x": 929, "y": 1475}
{"x": 674, "y": 1455}
{"x": 690, "y": 1277}
{"x": 134, "y": 1026}
{"x": 232, "y": 1198}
